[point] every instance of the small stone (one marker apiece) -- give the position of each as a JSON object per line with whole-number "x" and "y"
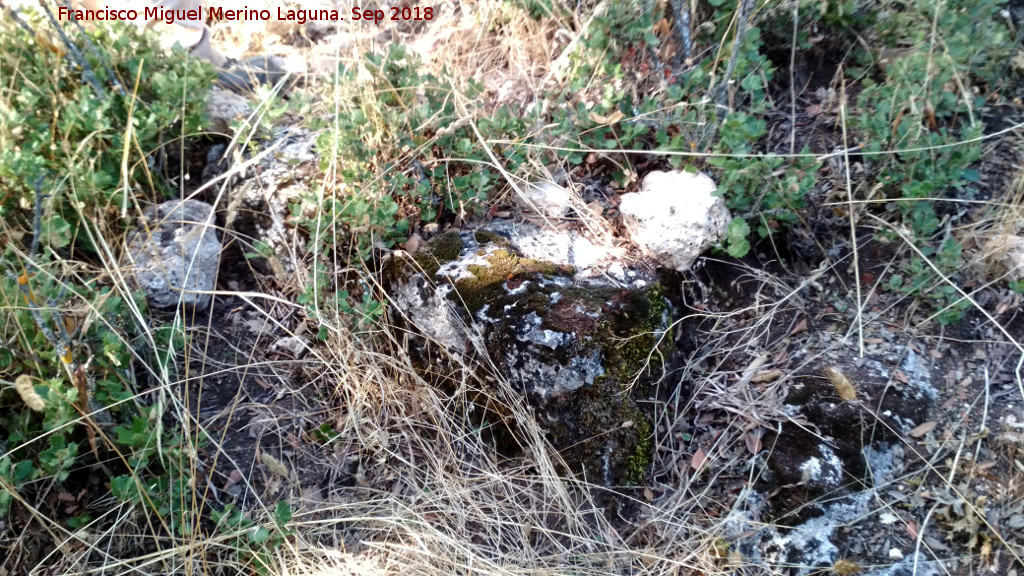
{"x": 546, "y": 198}
{"x": 675, "y": 217}
{"x": 895, "y": 554}
{"x": 293, "y": 345}
{"x": 224, "y": 107}
{"x": 616, "y": 271}
{"x": 1003, "y": 256}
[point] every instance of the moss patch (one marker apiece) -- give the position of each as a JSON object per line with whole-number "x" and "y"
{"x": 487, "y": 286}
{"x": 439, "y": 251}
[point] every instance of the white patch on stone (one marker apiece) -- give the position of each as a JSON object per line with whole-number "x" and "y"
{"x": 675, "y": 217}
{"x": 806, "y": 548}
{"x": 428, "y": 308}
{"x": 518, "y": 289}
{"x": 918, "y": 377}
{"x": 616, "y": 271}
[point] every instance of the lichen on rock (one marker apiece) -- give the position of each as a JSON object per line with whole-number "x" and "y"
{"x": 574, "y": 351}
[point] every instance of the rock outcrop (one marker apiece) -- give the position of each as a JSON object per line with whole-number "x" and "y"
{"x": 578, "y": 353}
{"x": 175, "y": 254}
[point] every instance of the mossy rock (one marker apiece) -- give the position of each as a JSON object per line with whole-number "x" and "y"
{"x": 578, "y": 353}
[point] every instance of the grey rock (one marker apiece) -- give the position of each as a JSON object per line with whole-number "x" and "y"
{"x": 258, "y": 201}
{"x": 576, "y": 352}
{"x": 175, "y": 253}
{"x": 224, "y": 107}
{"x": 545, "y": 198}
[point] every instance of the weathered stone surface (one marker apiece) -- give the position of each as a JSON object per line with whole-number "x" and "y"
{"x": 674, "y": 217}
{"x": 593, "y": 261}
{"x": 573, "y": 350}
{"x": 224, "y": 107}
{"x": 824, "y": 469}
{"x": 256, "y": 211}
{"x": 175, "y": 253}
{"x": 545, "y": 198}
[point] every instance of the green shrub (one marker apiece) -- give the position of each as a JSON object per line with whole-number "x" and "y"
{"x": 73, "y": 156}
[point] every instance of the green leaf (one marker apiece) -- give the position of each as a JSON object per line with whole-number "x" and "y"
{"x": 259, "y": 535}
{"x": 736, "y": 236}
{"x": 282, "y": 513}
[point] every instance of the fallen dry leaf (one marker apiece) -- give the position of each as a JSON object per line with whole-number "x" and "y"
{"x": 922, "y": 429}
{"x": 234, "y": 478}
{"x": 753, "y": 439}
{"x": 901, "y": 376}
{"x": 801, "y": 326}
{"x": 648, "y": 494}
{"x": 699, "y": 458}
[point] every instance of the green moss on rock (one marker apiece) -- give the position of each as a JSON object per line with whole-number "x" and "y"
{"x": 441, "y": 250}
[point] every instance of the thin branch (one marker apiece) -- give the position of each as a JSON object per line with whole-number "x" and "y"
{"x": 742, "y": 18}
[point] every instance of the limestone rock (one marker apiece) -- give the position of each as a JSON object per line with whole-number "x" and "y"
{"x": 546, "y": 198}
{"x": 175, "y": 253}
{"x": 256, "y": 212}
{"x": 593, "y": 260}
{"x": 675, "y": 217}
{"x": 574, "y": 351}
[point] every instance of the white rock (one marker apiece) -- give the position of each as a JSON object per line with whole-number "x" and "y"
{"x": 895, "y": 554}
{"x": 616, "y": 271}
{"x": 546, "y": 198}
{"x": 175, "y": 253}
{"x": 675, "y": 217}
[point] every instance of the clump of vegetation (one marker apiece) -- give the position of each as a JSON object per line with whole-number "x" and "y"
{"x": 83, "y": 129}
{"x": 919, "y": 123}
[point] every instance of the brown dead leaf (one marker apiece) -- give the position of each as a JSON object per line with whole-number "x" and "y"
{"x": 912, "y": 530}
{"x": 234, "y": 478}
{"x": 756, "y": 363}
{"x": 753, "y": 439}
{"x": 801, "y": 326}
{"x": 924, "y": 428}
{"x": 901, "y": 376}
{"x": 648, "y": 494}
{"x": 698, "y": 460}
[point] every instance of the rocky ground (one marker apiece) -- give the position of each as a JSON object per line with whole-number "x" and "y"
{"x": 811, "y": 427}
{"x": 805, "y": 416}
